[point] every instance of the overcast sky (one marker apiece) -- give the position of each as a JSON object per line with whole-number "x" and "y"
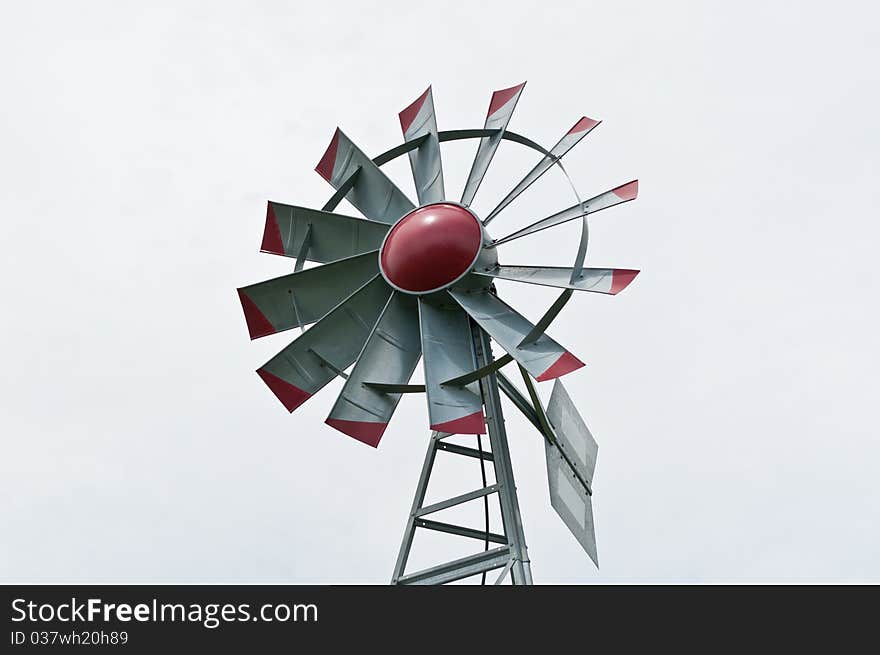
{"x": 732, "y": 388}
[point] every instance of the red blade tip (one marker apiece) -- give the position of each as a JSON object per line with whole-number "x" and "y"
{"x": 471, "y": 424}
{"x": 289, "y": 395}
{"x": 565, "y": 364}
{"x": 364, "y": 431}
{"x": 502, "y": 97}
{"x": 628, "y": 191}
{"x": 271, "y": 233}
{"x": 620, "y": 279}
{"x": 257, "y": 323}
{"x": 584, "y": 125}
{"x": 408, "y": 115}
{"x": 328, "y": 161}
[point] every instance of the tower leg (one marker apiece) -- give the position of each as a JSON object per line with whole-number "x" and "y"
{"x": 419, "y": 499}
{"x": 513, "y": 527}
{"x": 510, "y": 554}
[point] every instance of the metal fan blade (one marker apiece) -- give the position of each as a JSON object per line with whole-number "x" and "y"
{"x": 583, "y": 127}
{"x": 320, "y": 354}
{"x": 570, "y": 466}
{"x": 389, "y": 356}
{"x": 377, "y": 197}
{"x": 618, "y": 195}
{"x": 599, "y": 280}
{"x": 417, "y": 121}
{"x": 321, "y": 236}
{"x": 543, "y": 358}
{"x": 301, "y": 298}
{"x": 448, "y": 351}
{"x": 500, "y": 110}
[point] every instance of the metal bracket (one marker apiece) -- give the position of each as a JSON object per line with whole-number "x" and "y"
{"x": 460, "y": 568}
{"x": 461, "y": 531}
{"x": 457, "y": 500}
{"x": 504, "y": 573}
{"x": 296, "y": 313}
{"x": 384, "y": 387}
{"x": 464, "y": 450}
{"x": 303, "y": 253}
{"x": 341, "y": 192}
{"x": 326, "y": 362}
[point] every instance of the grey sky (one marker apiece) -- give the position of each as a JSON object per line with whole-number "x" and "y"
{"x": 731, "y": 388}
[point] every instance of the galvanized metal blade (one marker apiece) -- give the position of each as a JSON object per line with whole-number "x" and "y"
{"x": 571, "y": 501}
{"x": 571, "y": 463}
{"x": 598, "y": 280}
{"x": 376, "y": 196}
{"x": 543, "y": 358}
{"x": 500, "y": 111}
{"x": 583, "y": 127}
{"x": 389, "y": 356}
{"x": 323, "y": 352}
{"x": 448, "y": 351}
{"x": 572, "y": 434}
{"x": 617, "y": 196}
{"x": 302, "y": 298}
{"x": 330, "y": 236}
{"x": 418, "y": 121}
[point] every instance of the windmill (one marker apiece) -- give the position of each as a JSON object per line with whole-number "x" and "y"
{"x": 409, "y": 282}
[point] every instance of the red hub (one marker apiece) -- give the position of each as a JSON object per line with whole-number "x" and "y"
{"x": 431, "y": 247}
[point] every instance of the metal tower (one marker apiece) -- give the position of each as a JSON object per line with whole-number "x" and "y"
{"x": 511, "y": 553}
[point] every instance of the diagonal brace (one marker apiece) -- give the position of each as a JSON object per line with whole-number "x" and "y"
{"x": 457, "y": 500}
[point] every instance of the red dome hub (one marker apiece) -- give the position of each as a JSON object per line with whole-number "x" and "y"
{"x": 431, "y": 247}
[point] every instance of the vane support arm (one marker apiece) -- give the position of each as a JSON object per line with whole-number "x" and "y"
{"x": 534, "y": 411}
{"x": 520, "y": 401}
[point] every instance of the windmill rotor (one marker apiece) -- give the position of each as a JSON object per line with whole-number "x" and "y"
{"x": 414, "y": 281}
